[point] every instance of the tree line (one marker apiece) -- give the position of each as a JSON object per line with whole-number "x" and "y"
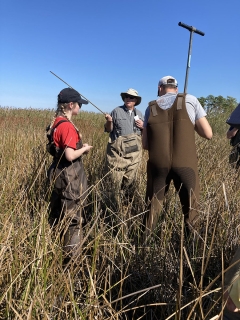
{"x": 216, "y": 105}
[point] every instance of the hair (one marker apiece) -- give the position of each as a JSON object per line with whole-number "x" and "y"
{"x": 61, "y": 107}
{"x": 169, "y": 86}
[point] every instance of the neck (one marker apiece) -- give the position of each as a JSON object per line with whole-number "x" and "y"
{"x": 167, "y": 90}
{"x": 129, "y": 108}
{"x": 67, "y": 113}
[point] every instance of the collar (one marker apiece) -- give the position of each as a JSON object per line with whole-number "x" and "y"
{"x": 126, "y": 109}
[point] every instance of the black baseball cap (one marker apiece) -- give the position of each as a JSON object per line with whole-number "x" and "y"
{"x": 70, "y": 95}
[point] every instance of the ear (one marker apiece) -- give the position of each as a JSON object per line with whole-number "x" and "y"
{"x": 160, "y": 89}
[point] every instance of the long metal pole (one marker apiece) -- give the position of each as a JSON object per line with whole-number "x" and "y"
{"x": 79, "y": 92}
{"x": 192, "y": 30}
{"x": 188, "y": 62}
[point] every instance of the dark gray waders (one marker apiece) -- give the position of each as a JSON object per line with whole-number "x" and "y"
{"x": 67, "y": 202}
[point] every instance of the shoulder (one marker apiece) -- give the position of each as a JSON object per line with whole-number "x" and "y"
{"x": 60, "y": 121}
{"x": 117, "y": 111}
{"x": 192, "y": 99}
{"x": 151, "y": 102}
{"x": 193, "y": 104}
{"x": 62, "y": 124}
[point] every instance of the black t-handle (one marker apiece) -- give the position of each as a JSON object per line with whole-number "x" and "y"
{"x": 190, "y": 28}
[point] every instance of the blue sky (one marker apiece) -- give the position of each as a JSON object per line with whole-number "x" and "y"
{"x": 103, "y": 47}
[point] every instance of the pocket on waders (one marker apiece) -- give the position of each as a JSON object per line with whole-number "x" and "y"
{"x": 73, "y": 177}
{"x": 130, "y": 145}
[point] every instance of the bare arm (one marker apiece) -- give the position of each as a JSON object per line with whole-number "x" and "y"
{"x": 203, "y": 128}
{"x": 72, "y": 154}
{"x": 231, "y": 133}
{"x": 109, "y": 123}
{"x": 144, "y": 139}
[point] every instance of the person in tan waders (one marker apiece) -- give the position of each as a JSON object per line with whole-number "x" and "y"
{"x": 66, "y": 174}
{"x": 169, "y": 136}
{"x": 124, "y": 149}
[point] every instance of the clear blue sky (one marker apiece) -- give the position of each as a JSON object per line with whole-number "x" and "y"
{"x": 104, "y": 47}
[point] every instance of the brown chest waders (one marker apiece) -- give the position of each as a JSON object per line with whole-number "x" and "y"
{"x": 68, "y": 200}
{"x": 172, "y": 156}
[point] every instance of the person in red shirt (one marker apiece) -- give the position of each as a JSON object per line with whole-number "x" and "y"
{"x": 66, "y": 173}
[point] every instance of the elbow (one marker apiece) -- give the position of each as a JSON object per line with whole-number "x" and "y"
{"x": 69, "y": 154}
{"x": 69, "y": 158}
{"x": 209, "y": 135}
{"x": 205, "y": 134}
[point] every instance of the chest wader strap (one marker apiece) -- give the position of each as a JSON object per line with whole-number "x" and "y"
{"x": 179, "y": 101}
{"x": 154, "y": 110}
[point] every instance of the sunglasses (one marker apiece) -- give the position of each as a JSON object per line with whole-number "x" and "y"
{"x": 79, "y": 104}
{"x": 129, "y": 97}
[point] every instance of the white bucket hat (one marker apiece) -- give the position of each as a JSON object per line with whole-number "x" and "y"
{"x": 132, "y": 92}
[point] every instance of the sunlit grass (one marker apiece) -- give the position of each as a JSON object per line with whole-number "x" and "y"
{"x": 116, "y": 276}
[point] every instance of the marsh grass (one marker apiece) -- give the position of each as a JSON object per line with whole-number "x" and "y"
{"x": 116, "y": 275}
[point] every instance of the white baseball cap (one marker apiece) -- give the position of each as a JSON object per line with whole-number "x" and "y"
{"x": 168, "y": 80}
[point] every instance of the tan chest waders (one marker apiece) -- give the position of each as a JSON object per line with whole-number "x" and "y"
{"x": 123, "y": 158}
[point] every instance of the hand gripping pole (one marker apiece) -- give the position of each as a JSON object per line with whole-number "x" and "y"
{"x": 192, "y": 30}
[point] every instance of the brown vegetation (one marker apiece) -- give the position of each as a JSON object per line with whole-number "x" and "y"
{"x": 117, "y": 276}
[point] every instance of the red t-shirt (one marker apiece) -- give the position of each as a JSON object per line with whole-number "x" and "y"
{"x": 65, "y": 135}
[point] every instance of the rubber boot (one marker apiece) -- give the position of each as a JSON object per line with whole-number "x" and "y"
{"x": 71, "y": 244}
{"x": 152, "y": 216}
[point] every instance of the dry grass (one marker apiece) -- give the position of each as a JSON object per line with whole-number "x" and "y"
{"x": 116, "y": 275}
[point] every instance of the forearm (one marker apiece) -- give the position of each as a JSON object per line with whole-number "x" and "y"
{"x": 71, "y": 154}
{"x": 203, "y": 128}
{"x": 108, "y": 126}
{"x": 231, "y": 133}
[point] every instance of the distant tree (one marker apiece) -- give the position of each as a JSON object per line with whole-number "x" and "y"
{"x": 215, "y": 105}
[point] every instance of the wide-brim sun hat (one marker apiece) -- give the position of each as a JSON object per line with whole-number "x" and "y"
{"x": 133, "y": 93}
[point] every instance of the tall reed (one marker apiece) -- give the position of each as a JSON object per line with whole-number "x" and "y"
{"x": 117, "y": 275}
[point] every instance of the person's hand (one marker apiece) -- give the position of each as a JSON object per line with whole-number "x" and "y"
{"x": 139, "y": 123}
{"x": 108, "y": 117}
{"x": 87, "y": 147}
{"x": 231, "y": 133}
{"x": 230, "y": 305}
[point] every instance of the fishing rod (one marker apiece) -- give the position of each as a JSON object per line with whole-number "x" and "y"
{"x": 192, "y": 30}
{"x": 79, "y": 93}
